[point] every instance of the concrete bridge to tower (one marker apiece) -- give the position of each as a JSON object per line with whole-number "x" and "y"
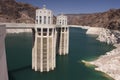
{"x": 30, "y": 26}
{"x": 18, "y": 25}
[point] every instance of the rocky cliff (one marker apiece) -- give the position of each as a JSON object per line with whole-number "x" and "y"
{"x": 109, "y": 19}
{"x": 105, "y": 35}
{"x": 12, "y": 11}
{"x": 109, "y": 63}
{"x": 108, "y": 36}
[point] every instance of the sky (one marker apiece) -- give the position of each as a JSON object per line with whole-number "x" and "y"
{"x": 75, "y": 6}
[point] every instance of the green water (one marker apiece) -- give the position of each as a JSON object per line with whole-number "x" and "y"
{"x": 82, "y": 47}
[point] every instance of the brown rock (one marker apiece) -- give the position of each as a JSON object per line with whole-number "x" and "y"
{"x": 109, "y": 19}
{"x": 12, "y": 11}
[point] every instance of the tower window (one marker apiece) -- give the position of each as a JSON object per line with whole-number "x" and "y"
{"x": 45, "y": 32}
{"x": 40, "y": 19}
{"x": 62, "y": 29}
{"x": 39, "y": 29}
{"x": 60, "y": 22}
{"x": 44, "y": 19}
{"x": 63, "y": 22}
{"x": 50, "y": 32}
{"x": 49, "y": 20}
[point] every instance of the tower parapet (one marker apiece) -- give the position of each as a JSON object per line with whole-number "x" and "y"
{"x": 44, "y": 16}
{"x": 61, "y": 20}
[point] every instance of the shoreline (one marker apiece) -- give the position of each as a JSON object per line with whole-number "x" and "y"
{"x": 88, "y": 64}
{"x": 108, "y": 63}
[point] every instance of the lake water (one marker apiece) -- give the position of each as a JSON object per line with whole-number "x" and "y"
{"x": 82, "y": 47}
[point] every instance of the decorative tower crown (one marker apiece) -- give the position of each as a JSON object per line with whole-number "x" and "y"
{"x": 44, "y": 16}
{"x": 61, "y": 19}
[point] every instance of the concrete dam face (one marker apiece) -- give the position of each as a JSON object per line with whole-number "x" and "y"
{"x": 3, "y": 63}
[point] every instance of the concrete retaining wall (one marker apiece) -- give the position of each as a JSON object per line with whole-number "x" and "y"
{"x": 3, "y": 64}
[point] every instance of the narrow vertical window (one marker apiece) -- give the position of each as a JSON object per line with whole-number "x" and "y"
{"x": 44, "y": 19}
{"x": 60, "y": 22}
{"x": 40, "y": 19}
{"x": 49, "y": 20}
{"x": 36, "y": 17}
{"x": 63, "y": 22}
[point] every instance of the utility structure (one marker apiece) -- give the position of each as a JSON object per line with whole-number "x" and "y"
{"x": 62, "y": 35}
{"x": 48, "y": 39}
{"x": 44, "y": 50}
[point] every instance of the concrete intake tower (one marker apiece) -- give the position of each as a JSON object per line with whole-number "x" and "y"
{"x": 48, "y": 39}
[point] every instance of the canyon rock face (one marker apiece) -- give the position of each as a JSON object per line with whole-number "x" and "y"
{"x": 94, "y": 31}
{"x": 110, "y": 37}
{"x": 109, "y": 63}
{"x": 105, "y": 35}
{"x": 18, "y": 12}
{"x": 12, "y": 11}
{"x": 109, "y": 19}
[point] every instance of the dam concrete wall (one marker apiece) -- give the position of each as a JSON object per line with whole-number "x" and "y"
{"x": 3, "y": 63}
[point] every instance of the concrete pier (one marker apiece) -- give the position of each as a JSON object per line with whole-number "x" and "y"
{"x": 44, "y": 55}
{"x": 3, "y": 63}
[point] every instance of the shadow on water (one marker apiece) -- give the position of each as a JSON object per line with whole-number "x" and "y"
{"x": 20, "y": 69}
{"x": 11, "y": 77}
